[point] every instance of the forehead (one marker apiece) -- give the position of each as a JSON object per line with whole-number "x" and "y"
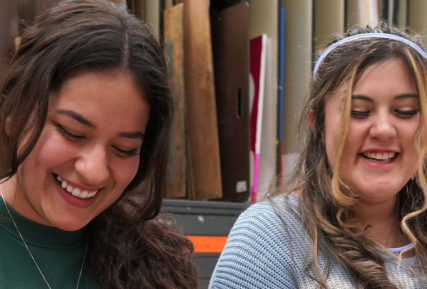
{"x": 101, "y": 86}
{"x": 389, "y": 77}
{"x": 103, "y": 97}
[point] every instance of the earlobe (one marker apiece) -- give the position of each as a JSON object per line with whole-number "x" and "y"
{"x": 311, "y": 120}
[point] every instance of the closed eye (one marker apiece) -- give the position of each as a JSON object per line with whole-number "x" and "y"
{"x": 357, "y": 113}
{"x": 126, "y": 153}
{"x": 406, "y": 113}
{"x": 68, "y": 134}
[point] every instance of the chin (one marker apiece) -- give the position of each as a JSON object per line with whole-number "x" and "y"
{"x": 377, "y": 195}
{"x": 66, "y": 225}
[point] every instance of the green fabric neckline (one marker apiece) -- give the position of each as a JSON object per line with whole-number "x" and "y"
{"x": 37, "y": 234}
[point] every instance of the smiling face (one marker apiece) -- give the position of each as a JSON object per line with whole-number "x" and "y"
{"x": 87, "y": 154}
{"x": 379, "y": 155}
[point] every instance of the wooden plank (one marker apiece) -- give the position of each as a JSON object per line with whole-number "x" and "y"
{"x": 202, "y": 131}
{"x": 8, "y": 26}
{"x": 174, "y": 47}
{"x": 230, "y": 43}
{"x": 168, "y": 4}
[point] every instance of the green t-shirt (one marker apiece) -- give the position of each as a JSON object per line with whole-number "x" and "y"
{"x": 59, "y": 254}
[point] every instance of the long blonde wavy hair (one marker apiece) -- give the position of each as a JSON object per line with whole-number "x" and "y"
{"x": 326, "y": 202}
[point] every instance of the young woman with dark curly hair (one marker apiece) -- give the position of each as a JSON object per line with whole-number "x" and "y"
{"x": 85, "y": 122}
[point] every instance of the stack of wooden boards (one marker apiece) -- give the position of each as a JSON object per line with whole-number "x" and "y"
{"x": 209, "y": 70}
{"x": 209, "y": 52}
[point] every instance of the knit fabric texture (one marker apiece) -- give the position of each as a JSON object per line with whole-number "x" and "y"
{"x": 266, "y": 251}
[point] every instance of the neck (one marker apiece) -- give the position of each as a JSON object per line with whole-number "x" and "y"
{"x": 375, "y": 214}
{"x": 383, "y": 220}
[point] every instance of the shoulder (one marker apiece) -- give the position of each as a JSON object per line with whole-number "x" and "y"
{"x": 269, "y": 221}
{"x": 258, "y": 251}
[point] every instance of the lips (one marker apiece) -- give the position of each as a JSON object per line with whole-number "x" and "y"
{"x": 75, "y": 191}
{"x": 383, "y": 157}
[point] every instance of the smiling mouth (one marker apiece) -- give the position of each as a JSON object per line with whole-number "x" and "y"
{"x": 380, "y": 157}
{"x": 75, "y": 192}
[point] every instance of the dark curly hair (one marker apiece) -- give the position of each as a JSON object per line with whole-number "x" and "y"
{"x": 129, "y": 245}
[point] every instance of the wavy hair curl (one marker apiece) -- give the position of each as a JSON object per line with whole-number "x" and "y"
{"x": 326, "y": 202}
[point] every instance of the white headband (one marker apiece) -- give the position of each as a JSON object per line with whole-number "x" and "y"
{"x": 367, "y": 35}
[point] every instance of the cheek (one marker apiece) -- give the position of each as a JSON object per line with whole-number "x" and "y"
{"x": 125, "y": 170}
{"x": 410, "y": 142}
{"x": 330, "y": 150}
{"x": 49, "y": 150}
{"x": 53, "y": 149}
{"x": 332, "y": 136}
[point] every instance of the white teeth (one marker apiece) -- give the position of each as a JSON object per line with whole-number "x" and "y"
{"x": 386, "y": 156}
{"x": 76, "y": 192}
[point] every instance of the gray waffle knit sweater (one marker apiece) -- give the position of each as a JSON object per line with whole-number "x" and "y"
{"x": 263, "y": 253}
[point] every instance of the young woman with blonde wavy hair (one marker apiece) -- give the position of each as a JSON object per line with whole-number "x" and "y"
{"x": 354, "y": 215}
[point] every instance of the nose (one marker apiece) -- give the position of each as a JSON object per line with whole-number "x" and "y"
{"x": 382, "y": 127}
{"x": 92, "y": 165}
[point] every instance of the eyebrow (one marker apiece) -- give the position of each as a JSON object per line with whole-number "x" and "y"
{"x": 135, "y": 135}
{"x": 362, "y": 97}
{"x": 78, "y": 117}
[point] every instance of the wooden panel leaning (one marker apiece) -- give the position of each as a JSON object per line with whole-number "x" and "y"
{"x": 8, "y": 16}
{"x": 201, "y": 119}
{"x": 230, "y": 42}
{"x": 174, "y": 48}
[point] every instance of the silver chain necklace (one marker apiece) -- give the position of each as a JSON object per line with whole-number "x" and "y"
{"x": 391, "y": 233}
{"x": 25, "y": 244}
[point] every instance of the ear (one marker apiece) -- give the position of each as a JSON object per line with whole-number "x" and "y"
{"x": 311, "y": 120}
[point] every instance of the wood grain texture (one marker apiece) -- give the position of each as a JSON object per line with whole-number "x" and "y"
{"x": 230, "y": 43}
{"x": 8, "y": 26}
{"x": 167, "y": 4}
{"x": 174, "y": 47}
{"x": 202, "y": 131}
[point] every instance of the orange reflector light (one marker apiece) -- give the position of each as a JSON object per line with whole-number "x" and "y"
{"x": 208, "y": 244}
